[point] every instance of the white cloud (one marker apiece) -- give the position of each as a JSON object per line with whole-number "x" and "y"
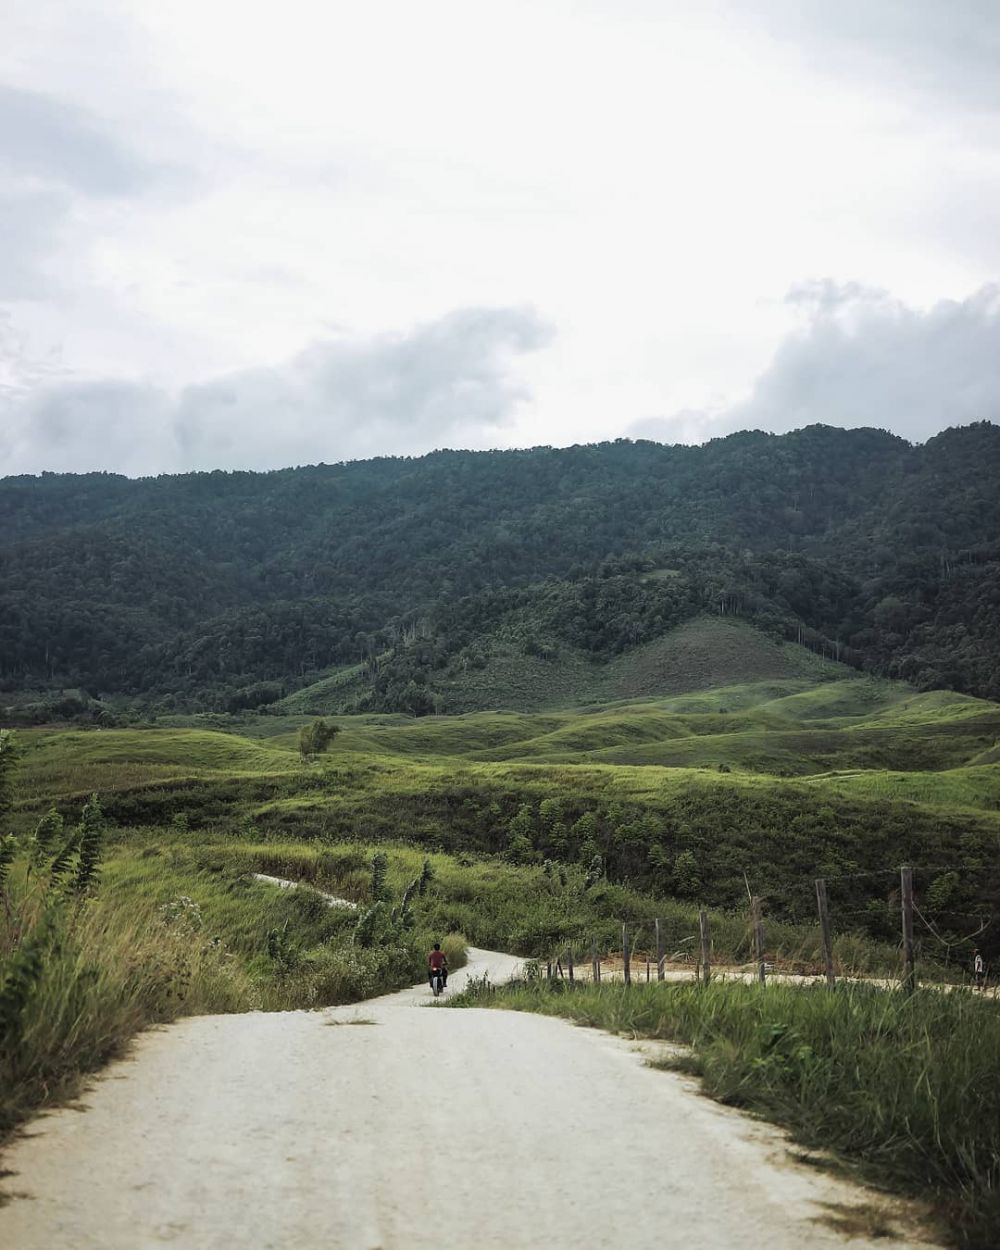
{"x": 30, "y": 220}
{"x": 47, "y": 138}
{"x": 863, "y": 358}
{"x": 208, "y": 188}
{"x": 949, "y": 49}
{"x": 445, "y": 382}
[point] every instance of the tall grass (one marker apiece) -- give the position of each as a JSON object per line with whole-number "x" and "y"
{"x": 97, "y": 975}
{"x": 92, "y": 950}
{"x": 167, "y": 932}
{"x": 907, "y": 1088}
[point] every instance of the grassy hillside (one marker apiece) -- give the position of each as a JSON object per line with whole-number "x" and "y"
{"x": 702, "y": 654}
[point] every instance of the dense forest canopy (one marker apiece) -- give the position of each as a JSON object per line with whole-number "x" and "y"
{"x": 221, "y": 587}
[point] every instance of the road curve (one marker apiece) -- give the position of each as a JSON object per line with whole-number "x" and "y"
{"x": 423, "y": 1130}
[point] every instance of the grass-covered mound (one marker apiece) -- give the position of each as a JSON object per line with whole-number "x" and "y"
{"x": 516, "y": 668}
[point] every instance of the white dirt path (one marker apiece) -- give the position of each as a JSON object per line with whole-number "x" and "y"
{"x": 428, "y": 1129}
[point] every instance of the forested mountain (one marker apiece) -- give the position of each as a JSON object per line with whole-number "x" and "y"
{"x": 229, "y": 589}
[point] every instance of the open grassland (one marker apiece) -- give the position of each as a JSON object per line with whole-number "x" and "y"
{"x": 792, "y": 727}
{"x": 904, "y": 1089}
{"x": 77, "y": 762}
{"x": 696, "y": 795}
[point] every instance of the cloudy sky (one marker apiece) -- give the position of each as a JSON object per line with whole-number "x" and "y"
{"x": 247, "y": 234}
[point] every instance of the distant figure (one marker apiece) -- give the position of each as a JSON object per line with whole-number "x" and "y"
{"x": 437, "y": 960}
{"x": 978, "y": 970}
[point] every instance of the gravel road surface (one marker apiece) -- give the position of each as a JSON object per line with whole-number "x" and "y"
{"x": 392, "y": 1126}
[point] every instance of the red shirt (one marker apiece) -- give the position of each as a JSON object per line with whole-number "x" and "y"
{"x": 436, "y": 959}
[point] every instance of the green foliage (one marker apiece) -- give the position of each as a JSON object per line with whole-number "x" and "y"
{"x": 48, "y": 834}
{"x": 378, "y": 890}
{"x": 207, "y": 589}
{"x": 8, "y": 848}
{"x": 595, "y": 871}
{"x": 8, "y": 755}
{"x": 687, "y": 880}
{"x": 64, "y": 858}
{"x": 282, "y": 950}
{"x": 90, "y": 837}
{"x": 371, "y": 925}
{"x": 382, "y": 924}
{"x": 316, "y": 737}
{"x": 21, "y": 971}
{"x": 942, "y": 891}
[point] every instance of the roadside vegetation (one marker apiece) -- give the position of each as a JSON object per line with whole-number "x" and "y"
{"x": 902, "y": 1089}
{"x": 103, "y": 933}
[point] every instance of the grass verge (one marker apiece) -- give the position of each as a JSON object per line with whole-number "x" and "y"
{"x": 903, "y": 1089}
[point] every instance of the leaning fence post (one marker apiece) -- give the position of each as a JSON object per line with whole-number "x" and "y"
{"x": 758, "y": 938}
{"x": 706, "y": 966}
{"x": 824, "y": 928}
{"x": 626, "y": 955}
{"x": 659, "y": 950}
{"x": 909, "y": 962}
{"x": 569, "y": 963}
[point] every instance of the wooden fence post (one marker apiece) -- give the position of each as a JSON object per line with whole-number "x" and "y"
{"x": 595, "y": 961}
{"x": 569, "y": 963}
{"x": 824, "y": 928}
{"x": 706, "y": 947}
{"x": 909, "y": 962}
{"x": 548, "y": 970}
{"x": 626, "y": 955}
{"x": 659, "y": 951}
{"x": 758, "y": 938}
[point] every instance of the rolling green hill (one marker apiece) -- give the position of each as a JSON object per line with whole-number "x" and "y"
{"x": 782, "y": 778}
{"x": 702, "y": 654}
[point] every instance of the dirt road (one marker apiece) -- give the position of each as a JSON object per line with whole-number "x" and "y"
{"x": 390, "y": 1126}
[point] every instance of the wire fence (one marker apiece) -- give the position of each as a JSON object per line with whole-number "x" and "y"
{"x": 652, "y": 949}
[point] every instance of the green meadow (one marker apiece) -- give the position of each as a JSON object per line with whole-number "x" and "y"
{"x": 695, "y": 796}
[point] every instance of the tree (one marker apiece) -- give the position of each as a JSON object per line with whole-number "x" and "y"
{"x": 687, "y": 880}
{"x": 315, "y": 738}
{"x": 595, "y": 871}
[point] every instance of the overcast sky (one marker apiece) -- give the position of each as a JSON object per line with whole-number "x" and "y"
{"x": 245, "y": 235}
